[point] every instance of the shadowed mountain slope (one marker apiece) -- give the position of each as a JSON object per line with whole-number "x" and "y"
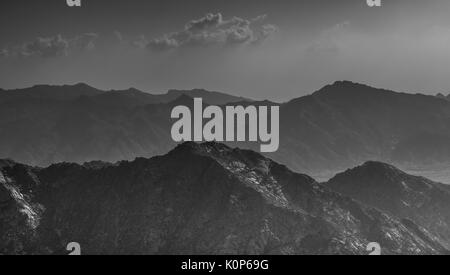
{"x": 198, "y": 199}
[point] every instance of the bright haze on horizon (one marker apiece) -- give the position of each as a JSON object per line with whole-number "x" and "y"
{"x": 261, "y": 49}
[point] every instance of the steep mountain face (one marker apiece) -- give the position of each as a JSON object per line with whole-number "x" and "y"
{"x": 198, "y": 199}
{"x": 340, "y": 126}
{"x": 19, "y": 214}
{"x": 385, "y": 187}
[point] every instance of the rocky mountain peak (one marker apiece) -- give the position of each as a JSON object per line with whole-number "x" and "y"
{"x": 405, "y": 196}
{"x": 373, "y": 169}
{"x": 200, "y": 198}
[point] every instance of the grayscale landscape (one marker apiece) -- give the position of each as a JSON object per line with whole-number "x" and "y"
{"x": 87, "y": 153}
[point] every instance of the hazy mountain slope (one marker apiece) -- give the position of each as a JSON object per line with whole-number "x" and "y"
{"x": 340, "y": 126}
{"x": 42, "y": 132}
{"x": 111, "y": 127}
{"x": 198, "y": 199}
{"x": 346, "y": 123}
{"x": 389, "y": 189}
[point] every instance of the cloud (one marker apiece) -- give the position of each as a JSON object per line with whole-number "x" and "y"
{"x": 84, "y": 42}
{"x": 119, "y": 36}
{"x": 329, "y": 40}
{"x": 259, "y": 18}
{"x": 49, "y": 47}
{"x": 265, "y": 32}
{"x": 207, "y": 22}
{"x": 140, "y": 42}
{"x": 46, "y": 47}
{"x": 4, "y": 53}
{"x": 214, "y": 30}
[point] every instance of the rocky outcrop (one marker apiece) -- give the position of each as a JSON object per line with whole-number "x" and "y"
{"x": 404, "y": 196}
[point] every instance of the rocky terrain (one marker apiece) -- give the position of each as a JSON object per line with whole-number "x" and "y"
{"x": 197, "y": 199}
{"x": 407, "y": 197}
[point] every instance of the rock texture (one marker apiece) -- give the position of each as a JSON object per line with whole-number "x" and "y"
{"x": 407, "y": 197}
{"x": 198, "y": 199}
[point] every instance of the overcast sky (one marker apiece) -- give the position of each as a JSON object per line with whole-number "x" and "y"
{"x": 264, "y": 49}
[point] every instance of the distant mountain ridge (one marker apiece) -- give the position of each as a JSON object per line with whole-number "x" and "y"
{"x": 197, "y": 199}
{"x": 339, "y": 126}
{"x": 130, "y": 96}
{"x": 66, "y": 92}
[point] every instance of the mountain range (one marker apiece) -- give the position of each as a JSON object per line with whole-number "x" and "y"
{"x": 337, "y": 127}
{"x": 212, "y": 199}
{"x": 130, "y": 96}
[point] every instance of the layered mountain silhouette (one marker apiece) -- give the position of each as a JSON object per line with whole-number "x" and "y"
{"x": 337, "y": 127}
{"x": 197, "y": 199}
{"x": 66, "y": 92}
{"x": 48, "y": 124}
{"x": 129, "y": 97}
